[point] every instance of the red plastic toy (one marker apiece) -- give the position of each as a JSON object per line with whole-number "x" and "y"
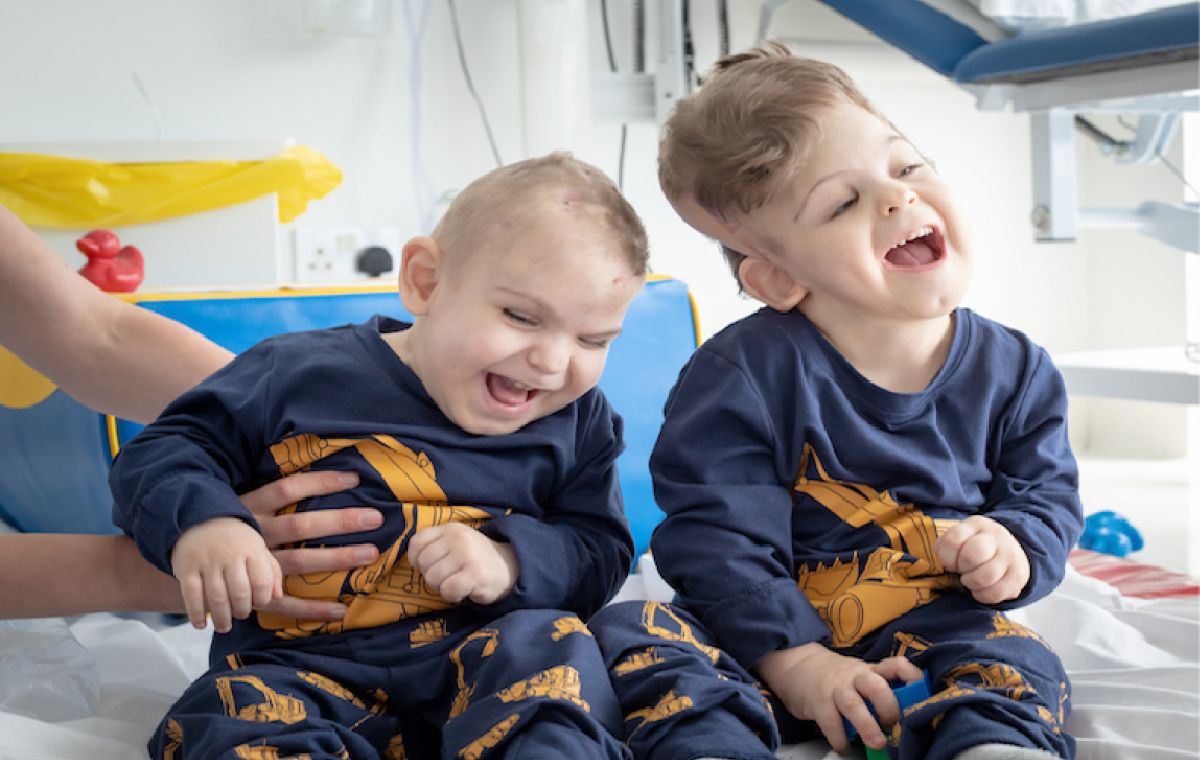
{"x": 110, "y": 267}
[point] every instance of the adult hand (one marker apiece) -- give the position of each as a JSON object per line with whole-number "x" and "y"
{"x": 461, "y": 562}
{"x": 280, "y": 530}
{"x": 989, "y": 560}
{"x": 815, "y": 683}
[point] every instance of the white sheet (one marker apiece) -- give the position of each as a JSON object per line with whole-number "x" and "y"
{"x": 94, "y": 688}
{"x": 1026, "y": 15}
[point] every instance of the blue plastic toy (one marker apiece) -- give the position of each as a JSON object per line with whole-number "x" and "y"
{"x": 907, "y": 694}
{"x": 1110, "y": 533}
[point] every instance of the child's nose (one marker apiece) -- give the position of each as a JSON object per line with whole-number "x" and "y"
{"x": 896, "y": 196}
{"x": 550, "y": 355}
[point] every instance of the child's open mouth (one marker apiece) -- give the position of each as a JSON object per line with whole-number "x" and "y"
{"x": 921, "y": 248}
{"x": 508, "y": 392}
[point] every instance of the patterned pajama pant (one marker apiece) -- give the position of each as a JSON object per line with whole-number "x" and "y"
{"x": 530, "y": 684}
{"x": 682, "y": 698}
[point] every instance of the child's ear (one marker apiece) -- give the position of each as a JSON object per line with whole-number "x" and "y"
{"x": 420, "y": 263}
{"x": 770, "y": 284}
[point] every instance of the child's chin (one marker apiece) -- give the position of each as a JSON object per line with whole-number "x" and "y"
{"x": 491, "y": 426}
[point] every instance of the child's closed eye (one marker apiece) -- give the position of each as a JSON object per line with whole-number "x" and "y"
{"x": 843, "y": 207}
{"x": 519, "y": 317}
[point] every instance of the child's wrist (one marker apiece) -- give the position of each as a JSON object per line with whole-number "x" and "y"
{"x": 510, "y": 561}
{"x": 774, "y": 665}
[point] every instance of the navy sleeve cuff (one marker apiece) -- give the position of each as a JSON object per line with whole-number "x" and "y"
{"x": 156, "y": 531}
{"x": 1047, "y": 561}
{"x": 772, "y": 616}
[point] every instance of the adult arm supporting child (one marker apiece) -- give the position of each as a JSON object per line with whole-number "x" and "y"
{"x": 127, "y": 361}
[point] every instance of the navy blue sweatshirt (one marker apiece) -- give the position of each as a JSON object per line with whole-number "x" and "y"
{"x": 341, "y": 399}
{"x": 802, "y": 501}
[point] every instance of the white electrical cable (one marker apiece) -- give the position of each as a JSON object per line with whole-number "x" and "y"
{"x": 155, "y": 114}
{"x": 462, "y": 60}
{"x": 422, "y": 185}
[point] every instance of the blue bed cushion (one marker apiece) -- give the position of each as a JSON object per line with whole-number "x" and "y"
{"x": 1164, "y": 35}
{"x": 54, "y": 455}
{"x": 920, "y": 30}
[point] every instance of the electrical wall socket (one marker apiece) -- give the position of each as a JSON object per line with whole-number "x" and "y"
{"x": 336, "y": 254}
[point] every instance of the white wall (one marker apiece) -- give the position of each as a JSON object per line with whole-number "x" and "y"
{"x": 239, "y": 70}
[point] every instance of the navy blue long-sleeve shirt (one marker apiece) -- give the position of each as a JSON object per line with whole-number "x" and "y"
{"x": 802, "y": 501}
{"x": 341, "y": 399}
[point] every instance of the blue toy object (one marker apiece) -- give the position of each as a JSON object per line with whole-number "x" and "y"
{"x": 907, "y": 694}
{"x": 1110, "y": 533}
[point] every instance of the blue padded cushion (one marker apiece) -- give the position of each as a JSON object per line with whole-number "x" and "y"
{"x": 56, "y": 454}
{"x": 1167, "y": 34}
{"x": 920, "y": 30}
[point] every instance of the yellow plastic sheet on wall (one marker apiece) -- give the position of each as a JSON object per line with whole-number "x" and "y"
{"x": 72, "y": 193}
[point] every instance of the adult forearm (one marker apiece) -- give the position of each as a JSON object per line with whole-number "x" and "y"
{"x": 148, "y": 361}
{"x": 53, "y": 575}
{"x": 112, "y": 356}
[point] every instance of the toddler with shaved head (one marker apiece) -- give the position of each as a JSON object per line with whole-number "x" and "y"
{"x": 478, "y": 431}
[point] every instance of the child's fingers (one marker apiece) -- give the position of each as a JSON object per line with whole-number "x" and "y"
{"x": 875, "y": 689}
{"x": 239, "y": 590}
{"x": 191, "y": 587}
{"x": 852, "y": 705}
{"x": 829, "y": 720}
{"x": 984, "y": 576}
{"x": 979, "y": 550}
{"x": 265, "y": 583}
{"x": 216, "y": 596}
{"x": 947, "y": 546}
{"x": 457, "y": 587}
{"x": 429, "y": 551}
{"x": 952, "y": 547}
{"x": 1008, "y": 587}
{"x": 439, "y": 572}
{"x": 421, "y": 540}
{"x": 898, "y": 667}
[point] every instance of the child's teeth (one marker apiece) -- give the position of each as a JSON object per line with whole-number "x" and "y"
{"x": 918, "y": 234}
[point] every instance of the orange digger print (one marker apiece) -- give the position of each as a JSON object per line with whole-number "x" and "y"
{"x": 389, "y": 589}
{"x": 859, "y": 595}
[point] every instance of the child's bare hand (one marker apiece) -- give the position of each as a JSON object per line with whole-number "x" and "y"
{"x": 224, "y": 567}
{"x": 989, "y": 560}
{"x": 461, "y": 562}
{"x": 815, "y": 683}
{"x": 281, "y": 530}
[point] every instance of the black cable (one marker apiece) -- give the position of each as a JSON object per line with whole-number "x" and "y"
{"x": 462, "y": 59}
{"x": 1116, "y": 144}
{"x": 1175, "y": 170}
{"x": 608, "y": 46}
{"x": 639, "y": 36}
{"x": 723, "y": 27}
{"x": 1166, "y": 162}
{"x": 612, "y": 66}
{"x": 1093, "y": 131}
{"x": 689, "y": 50}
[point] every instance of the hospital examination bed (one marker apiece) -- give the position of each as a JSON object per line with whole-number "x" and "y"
{"x": 94, "y": 687}
{"x": 1142, "y": 64}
